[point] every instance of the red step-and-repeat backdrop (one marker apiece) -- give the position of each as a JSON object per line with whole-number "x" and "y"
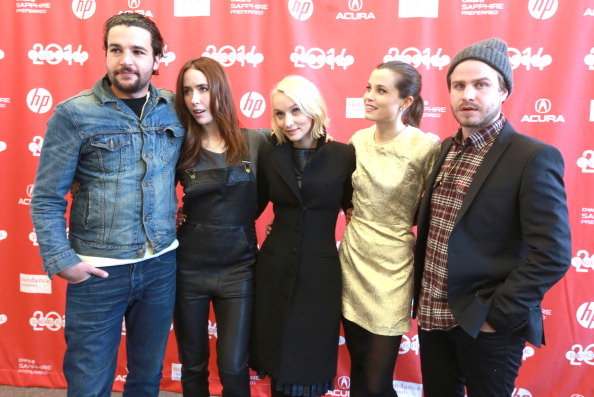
{"x": 52, "y": 49}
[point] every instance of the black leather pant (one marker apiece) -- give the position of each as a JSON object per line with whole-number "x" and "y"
{"x": 233, "y": 316}
{"x": 230, "y": 289}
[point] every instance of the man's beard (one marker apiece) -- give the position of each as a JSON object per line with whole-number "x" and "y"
{"x": 488, "y": 118}
{"x": 139, "y": 84}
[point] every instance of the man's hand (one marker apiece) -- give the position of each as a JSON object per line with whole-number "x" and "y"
{"x": 80, "y": 272}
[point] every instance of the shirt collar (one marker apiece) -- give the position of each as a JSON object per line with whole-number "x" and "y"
{"x": 481, "y": 137}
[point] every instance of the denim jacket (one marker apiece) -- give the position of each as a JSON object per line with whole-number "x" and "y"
{"x": 125, "y": 167}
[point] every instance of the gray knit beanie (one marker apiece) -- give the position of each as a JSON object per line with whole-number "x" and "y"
{"x": 493, "y": 52}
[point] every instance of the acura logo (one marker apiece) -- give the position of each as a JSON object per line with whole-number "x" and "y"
{"x": 543, "y": 106}
{"x": 29, "y": 190}
{"x": 344, "y": 382}
{"x": 355, "y": 5}
{"x": 133, "y": 3}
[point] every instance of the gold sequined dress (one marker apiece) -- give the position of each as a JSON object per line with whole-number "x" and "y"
{"x": 376, "y": 251}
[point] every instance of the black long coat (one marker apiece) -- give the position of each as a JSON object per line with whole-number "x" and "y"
{"x": 297, "y": 275}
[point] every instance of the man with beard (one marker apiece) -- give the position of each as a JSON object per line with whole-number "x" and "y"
{"x": 493, "y": 237}
{"x": 120, "y": 142}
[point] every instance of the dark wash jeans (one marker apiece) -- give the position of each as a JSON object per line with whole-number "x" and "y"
{"x": 144, "y": 294}
{"x": 487, "y": 365}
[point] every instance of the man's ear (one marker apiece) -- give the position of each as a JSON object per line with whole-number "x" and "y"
{"x": 156, "y": 62}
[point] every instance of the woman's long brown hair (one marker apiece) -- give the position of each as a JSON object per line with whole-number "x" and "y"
{"x": 222, "y": 109}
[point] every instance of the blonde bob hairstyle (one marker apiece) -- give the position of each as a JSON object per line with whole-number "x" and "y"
{"x": 308, "y": 99}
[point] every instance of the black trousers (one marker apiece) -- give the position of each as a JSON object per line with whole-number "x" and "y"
{"x": 487, "y": 365}
{"x": 231, "y": 294}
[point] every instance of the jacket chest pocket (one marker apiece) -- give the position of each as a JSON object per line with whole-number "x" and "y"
{"x": 113, "y": 151}
{"x": 168, "y": 143}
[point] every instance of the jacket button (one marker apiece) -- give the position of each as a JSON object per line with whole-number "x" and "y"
{"x": 294, "y": 250}
{"x": 140, "y": 252}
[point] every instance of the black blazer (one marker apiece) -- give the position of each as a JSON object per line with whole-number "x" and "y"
{"x": 511, "y": 240}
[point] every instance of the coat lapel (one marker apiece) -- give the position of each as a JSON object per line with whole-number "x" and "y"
{"x": 489, "y": 162}
{"x": 282, "y": 160}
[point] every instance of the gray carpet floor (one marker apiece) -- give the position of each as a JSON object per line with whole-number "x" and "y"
{"x": 11, "y": 391}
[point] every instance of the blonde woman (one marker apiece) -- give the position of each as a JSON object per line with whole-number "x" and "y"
{"x": 297, "y": 276}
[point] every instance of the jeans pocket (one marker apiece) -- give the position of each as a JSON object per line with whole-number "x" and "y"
{"x": 84, "y": 281}
{"x": 168, "y": 258}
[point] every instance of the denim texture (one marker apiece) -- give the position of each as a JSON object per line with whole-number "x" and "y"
{"x": 125, "y": 166}
{"x": 142, "y": 293}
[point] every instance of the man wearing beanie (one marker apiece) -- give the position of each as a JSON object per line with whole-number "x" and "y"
{"x": 493, "y": 237}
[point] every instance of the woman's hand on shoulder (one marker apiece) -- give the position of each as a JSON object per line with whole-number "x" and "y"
{"x": 348, "y": 214}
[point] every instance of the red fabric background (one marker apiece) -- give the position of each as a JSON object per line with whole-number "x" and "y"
{"x": 52, "y": 49}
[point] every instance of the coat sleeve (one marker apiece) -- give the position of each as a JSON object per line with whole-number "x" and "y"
{"x": 55, "y": 173}
{"x": 347, "y": 195}
{"x": 546, "y": 234}
{"x": 262, "y": 179}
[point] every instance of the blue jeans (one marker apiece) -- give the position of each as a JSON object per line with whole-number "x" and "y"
{"x": 144, "y": 294}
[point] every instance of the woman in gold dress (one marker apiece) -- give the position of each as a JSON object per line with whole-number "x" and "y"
{"x": 394, "y": 159}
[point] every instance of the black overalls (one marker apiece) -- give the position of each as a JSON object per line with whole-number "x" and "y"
{"x": 215, "y": 264}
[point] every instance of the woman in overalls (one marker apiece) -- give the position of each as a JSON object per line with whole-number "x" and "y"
{"x": 217, "y": 169}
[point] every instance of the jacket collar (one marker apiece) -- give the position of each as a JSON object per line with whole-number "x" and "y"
{"x": 103, "y": 92}
{"x": 282, "y": 159}
{"x": 491, "y": 158}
